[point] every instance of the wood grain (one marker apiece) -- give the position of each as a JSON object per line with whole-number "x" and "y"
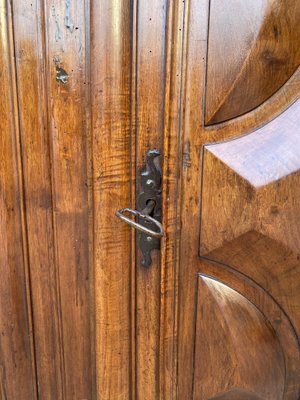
{"x": 17, "y": 371}
{"x": 171, "y": 200}
{"x": 231, "y": 356}
{"x": 32, "y": 99}
{"x": 257, "y": 177}
{"x": 237, "y": 394}
{"x": 66, "y": 44}
{"x": 54, "y": 135}
{"x": 186, "y": 77}
{"x": 110, "y": 99}
{"x": 252, "y": 51}
{"x": 196, "y": 134}
{"x": 150, "y": 80}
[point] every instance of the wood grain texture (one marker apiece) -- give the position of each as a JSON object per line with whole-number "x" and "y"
{"x": 260, "y": 238}
{"x": 196, "y": 134}
{"x": 229, "y": 356}
{"x": 171, "y": 200}
{"x": 55, "y": 140}
{"x": 257, "y": 182}
{"x": 162, "y": 76}
{"x": 236, "y": 394}
{"x": 66, "y": 44}
{"x": 252, "y": 51}
{"x": 111, "y": 104}
{"x": 17, "y": 372}
{"x": 150, "y": 80}
{"x": 32, "y": 100}
{"x": 277, "y": 319}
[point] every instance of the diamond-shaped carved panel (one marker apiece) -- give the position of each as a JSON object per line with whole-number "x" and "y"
{"x": 250, "y": 218}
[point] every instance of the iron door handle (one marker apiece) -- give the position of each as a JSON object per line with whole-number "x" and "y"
{"x": 144, "y": 216}
{"x": 149, "y": 208}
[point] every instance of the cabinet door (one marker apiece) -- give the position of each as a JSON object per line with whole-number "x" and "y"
{"x": 238, "y": 275}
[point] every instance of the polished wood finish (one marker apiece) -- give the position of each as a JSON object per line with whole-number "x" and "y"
{"x": 32, "y": 101}
{"x": 54, "y": 139}
{"x": 17, "y": 373}
{"x": 215, "y": 87}
{"x": 111, "y": 105}
{"x": 253, "y": 50}
{"x": 67, "y": 47}
{"x": 171, "y": 200}
{"x": 241, "y": 198}
{"x": 150, "y": 81}
{"x": 227, "y": 355}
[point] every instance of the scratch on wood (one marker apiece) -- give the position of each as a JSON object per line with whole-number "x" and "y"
{"x": 57, "y": 29}
{"x": 187, "y": 154}
{"x": 68, "y": 20}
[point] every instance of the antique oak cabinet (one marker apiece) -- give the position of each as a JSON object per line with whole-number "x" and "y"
{"x": 183, "y": 111}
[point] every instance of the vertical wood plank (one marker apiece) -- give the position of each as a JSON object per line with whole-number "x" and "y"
{"x": 67, "y": 47}
{"x": 32, "y": 97}
{"x": 110, "y": 87}
{"x": 171, "y": 199}
{"x": 151, "y": 25}
{"x": 17, "y": 376}
{"x": 195, "y": 47}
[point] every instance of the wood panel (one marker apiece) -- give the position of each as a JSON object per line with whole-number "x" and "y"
{"x": 192, "y": 160}
{"x": 55, "y": 141}
{"x": 257, "y": 182}
{"x": 17, "y": 372}
{"x": 252, "y": 51}
{"x": 32, "y": 99}
{"x": 150, "y": 80}
{"x": 111, "y": 105}
{"x": 66, "y": 43}
{"x": 171, "y": 199}
{"x": 234, "y": 344}
{"x": 259, "y": 225}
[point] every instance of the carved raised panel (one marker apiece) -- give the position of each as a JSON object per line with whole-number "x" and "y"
{"x": 255, "y": 182}
{"x": 240, "y": 64}
{"x": 253, "y": 50}
{"x": 251, "y": 212}
{"x": 237, "y": 353}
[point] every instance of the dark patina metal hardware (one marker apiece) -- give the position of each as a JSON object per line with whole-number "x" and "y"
{"x": 138, "y": 226}
{"x": 149, "y": 208}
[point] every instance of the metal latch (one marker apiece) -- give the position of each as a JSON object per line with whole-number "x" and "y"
{"x": 148, "y": 213}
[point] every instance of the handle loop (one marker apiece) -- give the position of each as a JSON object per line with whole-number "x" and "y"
{"x": 138, "y": 226}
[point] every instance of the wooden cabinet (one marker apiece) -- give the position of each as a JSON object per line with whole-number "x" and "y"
{"x": 87, "y": 88}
